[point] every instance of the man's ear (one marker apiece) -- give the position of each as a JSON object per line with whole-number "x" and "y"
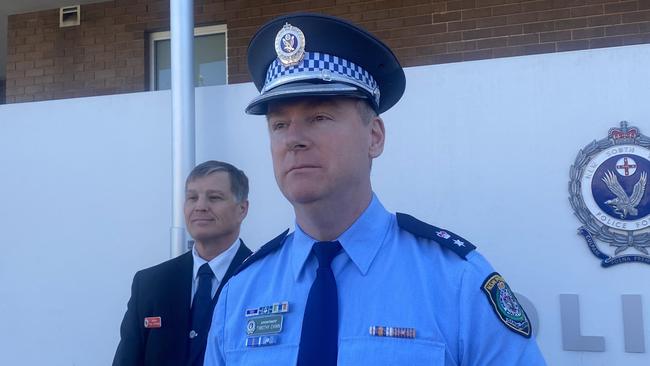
{"x": 243, "y": 209}
{"x": 378, "y": 135}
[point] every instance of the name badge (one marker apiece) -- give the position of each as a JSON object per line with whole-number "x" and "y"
{"x": 264, "y": 325}
{"x": 152, "y": 322}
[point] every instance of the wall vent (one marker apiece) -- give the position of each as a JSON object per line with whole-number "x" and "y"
{"x": 69, "y": 16}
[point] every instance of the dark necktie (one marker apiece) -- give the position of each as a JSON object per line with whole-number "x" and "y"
{"x": 201, "y": 302}
{"x": 320, "y": 326}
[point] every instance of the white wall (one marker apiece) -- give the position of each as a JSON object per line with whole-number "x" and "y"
{"x": 482, "y": 148}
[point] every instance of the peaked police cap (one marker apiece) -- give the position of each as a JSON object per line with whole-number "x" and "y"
{"x": 303, "y": 54}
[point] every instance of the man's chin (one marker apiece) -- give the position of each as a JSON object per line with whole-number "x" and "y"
{"x": 302, "y": 196}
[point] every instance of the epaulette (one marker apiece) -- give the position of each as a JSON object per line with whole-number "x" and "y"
{"x": 266, "y": 249}
{"x": 443, "y": 237}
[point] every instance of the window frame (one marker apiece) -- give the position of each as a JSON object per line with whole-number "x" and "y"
{"x": 166, "y": 35}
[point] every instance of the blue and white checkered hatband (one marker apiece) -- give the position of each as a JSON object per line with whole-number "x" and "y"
{"x": 321, "y": 66}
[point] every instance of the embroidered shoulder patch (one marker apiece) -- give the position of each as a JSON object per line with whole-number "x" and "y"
{"x": 505, "y": 305}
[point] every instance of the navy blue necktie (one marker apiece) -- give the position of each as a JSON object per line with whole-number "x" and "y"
{"x": 320, "y": 326}
{"x": 202, "y": 300}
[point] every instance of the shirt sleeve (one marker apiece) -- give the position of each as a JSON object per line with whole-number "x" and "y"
{"x": 485, "y": 339}
{"x": 214, "y": 354}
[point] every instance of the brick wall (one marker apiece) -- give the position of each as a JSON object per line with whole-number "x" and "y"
{"x": 107, "y": 52}
{"x": 2, "y": 91}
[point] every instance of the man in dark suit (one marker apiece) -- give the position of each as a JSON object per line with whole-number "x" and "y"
{"x": 170, "y": 311}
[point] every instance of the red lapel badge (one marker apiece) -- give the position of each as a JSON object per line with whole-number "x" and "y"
{"x": 152, "y": 322}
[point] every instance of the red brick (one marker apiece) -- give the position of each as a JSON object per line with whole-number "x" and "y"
{"x": 447, "y": 37}
{"x": 636, "y": 39}
{"x": 554, "y": 14}
{"x": 449, "y": 16}
{"x": 618, "y": 30}
{"x": 464, "y": 25}
{"x": 637, "y": 16}
{"x": 508, "y": 30}
{"x": 15, "y": 91}
{"x": 555, "y": 36}
{"x": 523, "y": 18}
{"x": 588, "y": 33}
{"x": 605, "y": 42}
{"x": 506, "y": 9}
{"x": 536, "y": 5}
{"x": 492, "y": 43}
{"x": 33, "y": 56}
{"x": 584, "y": 11}
{"x": 604, "y": 20}
{"x": 476, "y": 13}
{"x": 571, "y": 23}
{"x": 569, "y": 3}
{"x": 507, "y": 52}
{"x": 534, "y": 49}
{"x": 539, "y": 27}
{"x": 644, "y": 4}
{"x": 622, "y": 7}
{"x": 461, "y": 46}
{"x": 491, "y": 22}
{"x": 24, "y": 65}
{"x": 431, "y": 50}
{"x": 447, "y": 58}
{"x": 34, "y": 72}
{"x": 486, "y": 3}
{"x": 523, "y": 39}
{"x": 461, "y": 4}
{"x": 477, "y": 55}
{"x": 477, "y": 34}
{"x": 26, "y": 81}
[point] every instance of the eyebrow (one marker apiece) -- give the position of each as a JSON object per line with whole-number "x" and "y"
{"x": 313, "y": 102}
{"x": 207, "y": 191}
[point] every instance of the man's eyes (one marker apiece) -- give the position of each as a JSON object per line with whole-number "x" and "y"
{"x": 278, "y": 126}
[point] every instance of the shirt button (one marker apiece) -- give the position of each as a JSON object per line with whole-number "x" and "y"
{"x": 193, "y": 334}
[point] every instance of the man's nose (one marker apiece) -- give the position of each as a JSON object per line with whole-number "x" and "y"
{"x": 296, "y": 137}
{"x": 201, "y": 204}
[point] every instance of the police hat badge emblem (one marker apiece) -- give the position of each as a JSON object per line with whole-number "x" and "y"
{"x": 290, "y": 45}
{"x": 608, "y": 193}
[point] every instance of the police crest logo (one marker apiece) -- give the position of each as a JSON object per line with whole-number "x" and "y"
{"x": 290, "y": 45}
{"x": 609, "y": 195}
{"x": 505, "y": 305}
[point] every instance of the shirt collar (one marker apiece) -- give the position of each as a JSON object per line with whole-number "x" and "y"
{"x": 361, "y": 241}
{"x": 218, "y": 264}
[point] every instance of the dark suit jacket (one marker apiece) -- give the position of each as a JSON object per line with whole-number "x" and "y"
{"x": 164, "y": 291}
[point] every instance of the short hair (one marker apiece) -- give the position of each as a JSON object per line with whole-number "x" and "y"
{"x": 366, "y": 111}
{"x": 238, "y": 180}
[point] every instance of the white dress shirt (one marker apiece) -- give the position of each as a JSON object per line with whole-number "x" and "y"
{"x": 218, "y": 264}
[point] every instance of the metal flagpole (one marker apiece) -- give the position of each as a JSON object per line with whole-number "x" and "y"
{"x": 183, "y": 141}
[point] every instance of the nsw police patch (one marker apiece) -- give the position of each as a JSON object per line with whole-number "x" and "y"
{"x": 505, "y": 305}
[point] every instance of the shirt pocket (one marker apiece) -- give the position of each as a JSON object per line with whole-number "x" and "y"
{"x": 379, "y": 351}
{"x": 280, "y": 354}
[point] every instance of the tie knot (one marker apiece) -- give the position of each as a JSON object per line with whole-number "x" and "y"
{"x": 205, "y": 270}
{"x": 325, "y": 251}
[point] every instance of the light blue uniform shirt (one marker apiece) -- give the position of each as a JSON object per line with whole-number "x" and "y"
{"x": 385, "y": 276}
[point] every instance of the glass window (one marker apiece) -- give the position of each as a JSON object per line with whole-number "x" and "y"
{"x": 209, "y": 58}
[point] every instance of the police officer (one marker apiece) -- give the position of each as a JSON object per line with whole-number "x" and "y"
{"x": 352, "y": 284}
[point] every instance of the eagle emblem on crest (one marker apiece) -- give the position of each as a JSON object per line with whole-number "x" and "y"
{"x": 290, "y": 45}
{"x": 608, "y": 194}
